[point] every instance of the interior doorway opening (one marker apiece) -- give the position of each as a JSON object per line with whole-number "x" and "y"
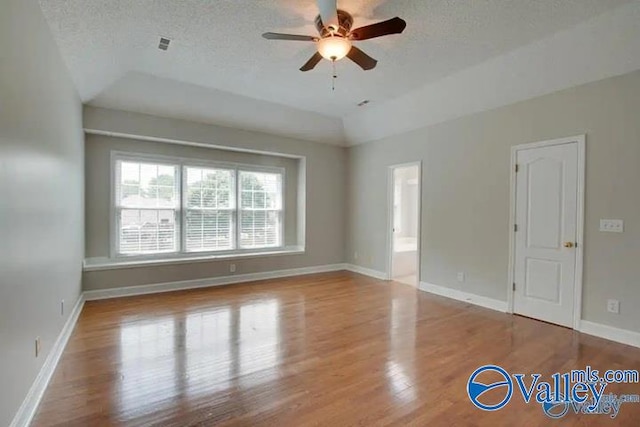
{"x": 405, "y": 200}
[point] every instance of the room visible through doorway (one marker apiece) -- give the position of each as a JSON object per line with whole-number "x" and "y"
{"x": 405, "y": 223}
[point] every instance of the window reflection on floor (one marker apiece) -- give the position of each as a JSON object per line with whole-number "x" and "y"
{"x": 147, "y": 366}
{"x": 197, "y": 355}
{"x": 401, "y": 384}
{"x": 259, "y": 342}
{"x": 400, "y": 368}
{"x": 208, "y": 350}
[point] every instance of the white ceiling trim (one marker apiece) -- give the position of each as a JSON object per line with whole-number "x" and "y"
{"x": 147, "y": 94}
{"x": 602, "y": 47}
{"x": 132, "y": 125}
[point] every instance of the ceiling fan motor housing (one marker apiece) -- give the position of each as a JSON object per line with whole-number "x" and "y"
{"x": 345, "y": 21}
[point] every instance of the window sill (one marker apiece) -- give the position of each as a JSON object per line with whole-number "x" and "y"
{"x": 103, "y": 263}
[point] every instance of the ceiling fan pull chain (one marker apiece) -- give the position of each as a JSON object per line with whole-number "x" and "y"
{"x": 334, "y": 77}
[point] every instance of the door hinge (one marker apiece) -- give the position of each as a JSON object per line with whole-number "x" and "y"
{"x": 514, "y": 286}
{"x": 517, "y": 167}
{"x": 515, "y": 228}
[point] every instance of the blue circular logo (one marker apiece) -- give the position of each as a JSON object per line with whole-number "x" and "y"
{"x": 555, "y": 409}
{"x": 475, "y": 388}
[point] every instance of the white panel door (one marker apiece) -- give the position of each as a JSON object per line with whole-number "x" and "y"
{"x": 545, "y": 241}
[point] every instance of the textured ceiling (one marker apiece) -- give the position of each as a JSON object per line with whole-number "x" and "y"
{"x": 217, "y": 46}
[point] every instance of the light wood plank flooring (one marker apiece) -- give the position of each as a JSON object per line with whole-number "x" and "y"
{"x": 333, "y": 349}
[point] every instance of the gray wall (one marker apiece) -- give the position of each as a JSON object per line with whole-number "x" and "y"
{"x": 325, "y": 193}
{"x": 466, "y": 167}
{"x": 41, "y": 189}
{"x": 98, "y": 150}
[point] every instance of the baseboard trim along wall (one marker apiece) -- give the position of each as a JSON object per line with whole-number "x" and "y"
{"x": 207, "y": 282}
{"x": 456, "y": 294}
{"x": 623, "y": 336}
{"x": 30, "y": 403}
{"x": 599, "y": 330}
{"x": 127, "y": 291}
{"x": 366, "y": 271}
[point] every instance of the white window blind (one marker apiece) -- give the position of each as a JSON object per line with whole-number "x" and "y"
{"x": 260, "y": 209}
{"x": 147, "y": 203}
{"x": 177, "y": 206}
{"x": 210, "y": 205}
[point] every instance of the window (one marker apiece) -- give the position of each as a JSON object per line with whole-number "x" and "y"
{"x": 146, "y": 208}
{"x": 260, "y": 209}
{"x": 181, "y": 206}
{"x": 209, "y": 209}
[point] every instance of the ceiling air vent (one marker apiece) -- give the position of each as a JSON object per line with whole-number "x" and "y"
{"x": 164, "y": 43}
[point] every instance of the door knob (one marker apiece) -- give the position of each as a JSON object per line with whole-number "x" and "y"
{"x": 568, "y": 244}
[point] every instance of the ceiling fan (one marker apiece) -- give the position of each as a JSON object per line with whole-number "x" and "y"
{"x": 336, "y": 36}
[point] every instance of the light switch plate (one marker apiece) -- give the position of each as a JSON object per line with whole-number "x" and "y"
{"x": 612, "y": 225}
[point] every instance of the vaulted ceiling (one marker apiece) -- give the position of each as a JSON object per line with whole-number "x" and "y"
{"x": 220, "y": 70}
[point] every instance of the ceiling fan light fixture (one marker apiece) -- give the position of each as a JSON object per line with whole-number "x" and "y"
{"x": 336, "y": 37}
{"x": 334, "y": 48}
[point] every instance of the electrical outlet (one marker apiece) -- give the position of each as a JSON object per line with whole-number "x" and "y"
{"x": 37, "y": 346}
{"x": 612, "y": 225}
{"x": 613, "y": 306}
{"x": 62, "y": 308}
{"x": 460, "y": 276}
{"x": 232, "y": 268}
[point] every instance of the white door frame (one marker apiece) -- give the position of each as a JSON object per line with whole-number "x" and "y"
{"x": 390, "y": 196}
{"x": 580, "y": 140}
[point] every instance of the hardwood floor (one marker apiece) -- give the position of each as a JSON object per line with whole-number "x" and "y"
{"x": 332, "y": 349}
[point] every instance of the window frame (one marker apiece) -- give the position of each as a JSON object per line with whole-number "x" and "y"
{"x": 185, "y": 209}
{"x": 181, "y": 163}
{"x": 239, "y": 210}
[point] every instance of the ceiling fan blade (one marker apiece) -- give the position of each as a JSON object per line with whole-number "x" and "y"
{"x": 362, "y": 59}
{"x": 392, "y": 26}
{"x": 311, "y": 63}
{"x": 294, "y": 37}
{"x": 329, "y": 13}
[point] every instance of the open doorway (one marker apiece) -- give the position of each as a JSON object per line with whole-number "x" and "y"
{"x": 404, "y": 230}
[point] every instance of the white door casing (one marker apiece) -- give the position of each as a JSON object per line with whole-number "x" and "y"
{"x": 546, "y": 250}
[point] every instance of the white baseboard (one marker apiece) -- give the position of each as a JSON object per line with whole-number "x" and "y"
{"x": 30, "y": 403}
{"x": 610, "y": 333}
{"x": 456, "y": 294}
{"x": 623, "y": 336}
{"x": 366, "y": 271}
{"x": 205, "y": 283}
